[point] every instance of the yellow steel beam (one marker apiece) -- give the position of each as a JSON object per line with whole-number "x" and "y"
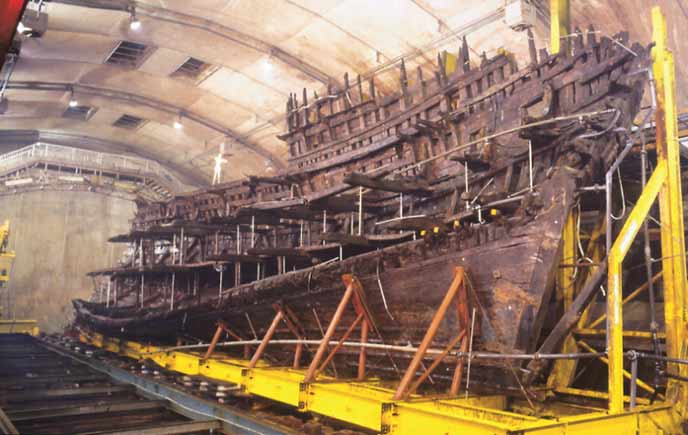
{"x": 670, "y": 205}
{"x": 615, "y": 259}
{"x": 369, "y": 404}
{"x": 560, "y": 22}
{"x": 634, "y": 294}
{"x": 625, "y": 373}
{"x": 626, "y": 333}
{"x": 594, "y": 252}
{"x": 597, "y": 395}
{"x": 564, "y": 370}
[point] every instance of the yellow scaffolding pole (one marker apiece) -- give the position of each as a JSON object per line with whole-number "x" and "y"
{"x": 671, "y": 200}
{"x": 564, "y": 370}
{"x": 665, "y": 182}
{"x": 560, "y": 22}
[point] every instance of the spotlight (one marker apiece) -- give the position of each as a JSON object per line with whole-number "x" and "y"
{"x": 267, "y": 64}
{"x": 178, "y": 123}
{"x": 134, "y": 23}
{"x": 72, "y": 99}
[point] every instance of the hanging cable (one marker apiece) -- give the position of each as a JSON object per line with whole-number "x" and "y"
{"x": 623, "y": 199}
{"x": 382, "y": 292}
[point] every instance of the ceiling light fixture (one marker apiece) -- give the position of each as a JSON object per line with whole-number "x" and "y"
{"x": 72, "y": 99}
{"x": 134, "y": 23}
{"x": 178, "y": 123}
{"x": 267, "y": 64}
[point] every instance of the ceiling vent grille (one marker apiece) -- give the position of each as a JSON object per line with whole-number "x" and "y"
{"x": 129, "y": 121}
{"x": 127, "y": 54}
{"x": 81, "y": 113}
{"x": 192, "y": 68}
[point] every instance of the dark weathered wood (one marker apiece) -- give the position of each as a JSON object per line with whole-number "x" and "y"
{"x": 570, "y": 318}
{"x": 278, "y": 252}
{"x": 399, "y": 185}
{"x": 344, "y": 239}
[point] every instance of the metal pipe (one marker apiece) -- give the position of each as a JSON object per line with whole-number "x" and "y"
{"x": 530, "y": 165}
{"x": 181, "y": 247}
{"x": 107, "y": 302}
{"x": 172, "y": 292}
{"x": 360, "y": 211}
{"x": 470, "y": 351}
{"x": 405, "y": 349}
{"x": 141, "y": 290}
{"x": 634, "y": 379}
{"x": 608, "y": 194}
{"x": 648, "y": 263}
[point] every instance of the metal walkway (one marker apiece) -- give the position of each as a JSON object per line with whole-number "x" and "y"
{"x": 46, "y": 165}
{"x": 49, "y": 389}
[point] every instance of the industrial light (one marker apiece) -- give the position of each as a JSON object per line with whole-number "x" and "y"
{"x": 72, "y": 100}
{"x": 267, "y": 64}
{"x": 134, "y": 23}
{"x": 34, "y": 23}
{"x": 178, "y": 123}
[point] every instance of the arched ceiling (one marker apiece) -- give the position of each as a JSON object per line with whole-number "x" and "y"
{"x": 254, "y": 53}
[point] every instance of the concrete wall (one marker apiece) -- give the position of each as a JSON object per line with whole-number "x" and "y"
{"x": 59, "y": 237}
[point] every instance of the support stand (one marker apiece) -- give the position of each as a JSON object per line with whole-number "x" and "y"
{"x": 457, "y": 290}
{"x": 353, "y": 291}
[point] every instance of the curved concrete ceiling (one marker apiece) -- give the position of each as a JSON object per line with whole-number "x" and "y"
{"x": 256, "y": 54}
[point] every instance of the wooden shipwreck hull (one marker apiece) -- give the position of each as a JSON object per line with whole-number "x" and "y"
{"x": 476, "y": 168}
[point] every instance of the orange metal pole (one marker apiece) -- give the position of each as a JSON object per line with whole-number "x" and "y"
{"x": 458, "y": 372}
{"x": 310, "y": 374}
{"x": 213, "y": 342}
{"x": 430, "y": 334}
{"x": 438, "y": 359}
{"x": 339, "y": 344}
{"x": 362, "y": 355}
{"x": 266, "y": 339}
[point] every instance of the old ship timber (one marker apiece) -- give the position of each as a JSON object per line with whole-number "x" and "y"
{"x": 475, "y": 168}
